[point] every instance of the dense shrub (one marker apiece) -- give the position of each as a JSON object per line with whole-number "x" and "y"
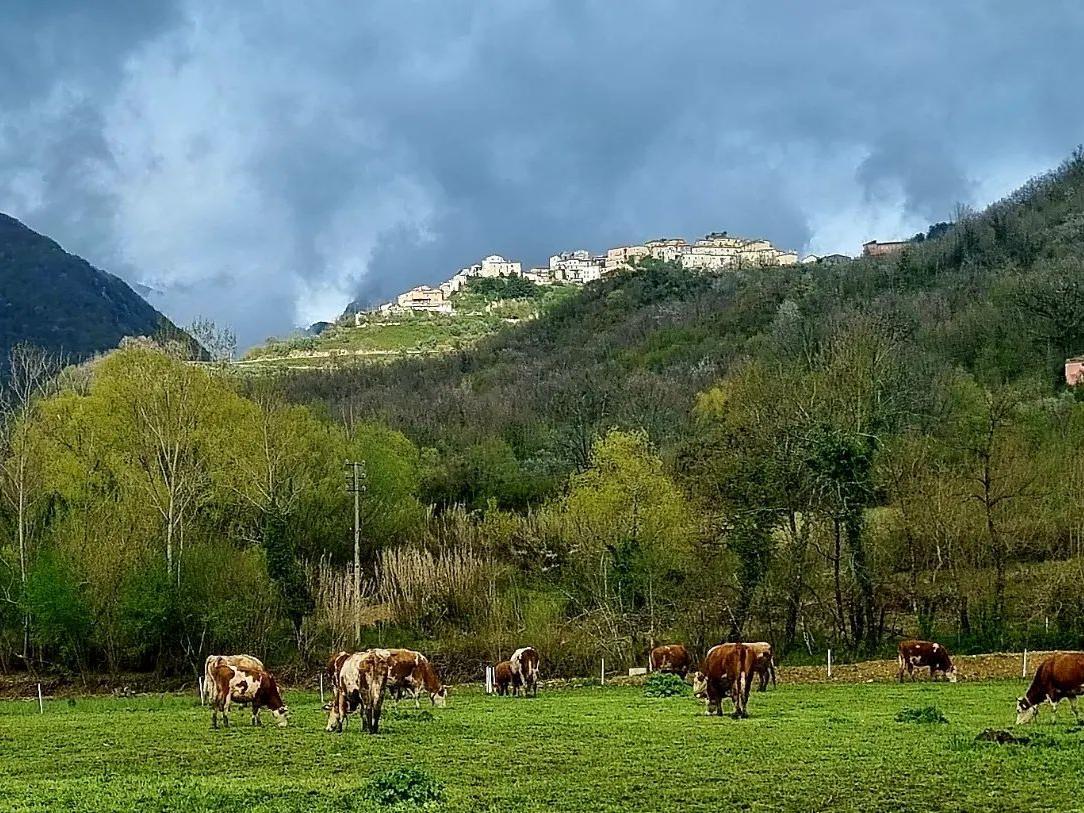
{"x": 664, "y": 684}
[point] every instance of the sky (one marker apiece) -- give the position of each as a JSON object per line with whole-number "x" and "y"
{"x": 262, "y": 164}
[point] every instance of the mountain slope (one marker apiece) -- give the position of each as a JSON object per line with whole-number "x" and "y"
{"x": 60, "y": 302}
{"x": 1000, "y": 295}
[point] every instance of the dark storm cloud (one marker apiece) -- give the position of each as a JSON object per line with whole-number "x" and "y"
{"x": 263, "y": 163}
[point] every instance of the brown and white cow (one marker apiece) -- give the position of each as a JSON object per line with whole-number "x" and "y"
{"x": 672, "y": 658}
{"x": 359, "y": 686}
{"x": 524, "y": 663}
{"x": 241, "y": 682}
{"x": 727, "y": 668}
{"x": 412, "y": 673}
{"x": 764, "y": 665}
{"x": 1059, "y": 677}
{"x": 925, "y": 653}
{"x": 502, "y": 677}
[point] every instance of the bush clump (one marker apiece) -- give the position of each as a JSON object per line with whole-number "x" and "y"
{"x": 925, "y": 714}
{"x": 664, "y": 684}
{"x": 405, "y": 786}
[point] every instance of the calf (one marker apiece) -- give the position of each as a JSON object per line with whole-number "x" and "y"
{"x": 1059, "y": 677}
{"x": 672, "y": 658}
{"x": 411, "y": 673}
{"x": 502, "y": 677}
{"x": 726, "y": 668}
{"x": 925, "y": 653}
{"x": 764, "y": 664}
{"x": 241, "y": 684}
{"x": 360, "y": 683}
{"x": 524, "y": 663}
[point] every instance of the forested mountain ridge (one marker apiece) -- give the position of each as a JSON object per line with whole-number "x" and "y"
{"x": 59, "y": 302}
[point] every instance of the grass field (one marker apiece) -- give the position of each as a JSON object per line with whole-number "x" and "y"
{"x": 816, "y": 747}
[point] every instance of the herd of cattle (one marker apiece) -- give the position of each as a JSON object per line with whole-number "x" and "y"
{"x": 361, "y": 680}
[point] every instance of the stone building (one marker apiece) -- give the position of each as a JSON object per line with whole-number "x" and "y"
{"x": 1074, "y": 371}
{"x": 876, "y": 249}
{"x": 424, "y": 298}
{"x": 667, "y": 249}
{"x": 539, "y": 276}
{"x": 576, "y": 267}
{"x": 497, "y": 266}
{"x": 622, "y": 257}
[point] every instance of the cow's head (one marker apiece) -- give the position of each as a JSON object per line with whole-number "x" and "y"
{"x": 282, "y": 715}
{"x": 700, "y": 685}
{"x": 1025, "y": 710}
{"x": 440, "y": 697}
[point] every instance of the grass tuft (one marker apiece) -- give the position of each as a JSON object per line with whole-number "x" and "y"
{"x": 922, "y": 714}
{"x": 407, "y": 787}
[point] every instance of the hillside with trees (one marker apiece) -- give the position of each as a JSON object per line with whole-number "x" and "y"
{"x": 60, "y": 303}
{"x": 827, "y": 455}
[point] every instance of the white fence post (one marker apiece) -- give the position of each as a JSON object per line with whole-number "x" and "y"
{"x": 829, "y": 663}
{"x": 489, "y": 680}
{"x": 321, "y": 688}
{"x": 1024, "y": 670}
{"x": 602, "y": 673}
{"x": 41, "y": 701}
{"x": 202, "y": 692}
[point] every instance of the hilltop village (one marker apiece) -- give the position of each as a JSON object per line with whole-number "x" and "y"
{"x": 714, "y": 252}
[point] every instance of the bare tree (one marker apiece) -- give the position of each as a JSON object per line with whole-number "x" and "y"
{"x": 219, "y": 342}
{"x": 32, "y": 375}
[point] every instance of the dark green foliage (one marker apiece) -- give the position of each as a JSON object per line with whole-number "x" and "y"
{"x": 664, "y": 684}
{"x": 492, "y": 289}
{"x": 61, "y": 303}
{"x": 923, "y": 714}
{"x": 58, "y": 610}
{"x": 405, "y": 786}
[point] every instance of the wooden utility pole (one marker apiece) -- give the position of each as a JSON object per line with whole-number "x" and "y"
{"x": 356, "y": 485}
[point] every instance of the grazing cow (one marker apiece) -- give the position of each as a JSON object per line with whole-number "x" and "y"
{"x": 1058, "y": 678}
{"x": 411, "y": 672}
{"x": 502, "y": 677}
{"x": 360, "y": 684}
{"x": 524, "y": 663}
{"x": 242, "y": 683}
{"x": 764, "y": 665}
{"x": 925, "y": 653}
{"x": 672, "y": 658}
{"x": 726, "y": 668}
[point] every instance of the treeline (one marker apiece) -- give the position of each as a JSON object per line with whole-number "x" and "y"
{"x": 824, "y": 456}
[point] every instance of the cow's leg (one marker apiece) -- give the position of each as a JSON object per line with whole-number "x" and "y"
{"x": 214, "y": 715}
{"x": 256, "y": 713}
{"x": 226, "y": 710}
{"x": 417, "y": 704}
{"x": 1072, "y": 705}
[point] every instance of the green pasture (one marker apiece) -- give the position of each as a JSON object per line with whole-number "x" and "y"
{"x": 808, "y": 747}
